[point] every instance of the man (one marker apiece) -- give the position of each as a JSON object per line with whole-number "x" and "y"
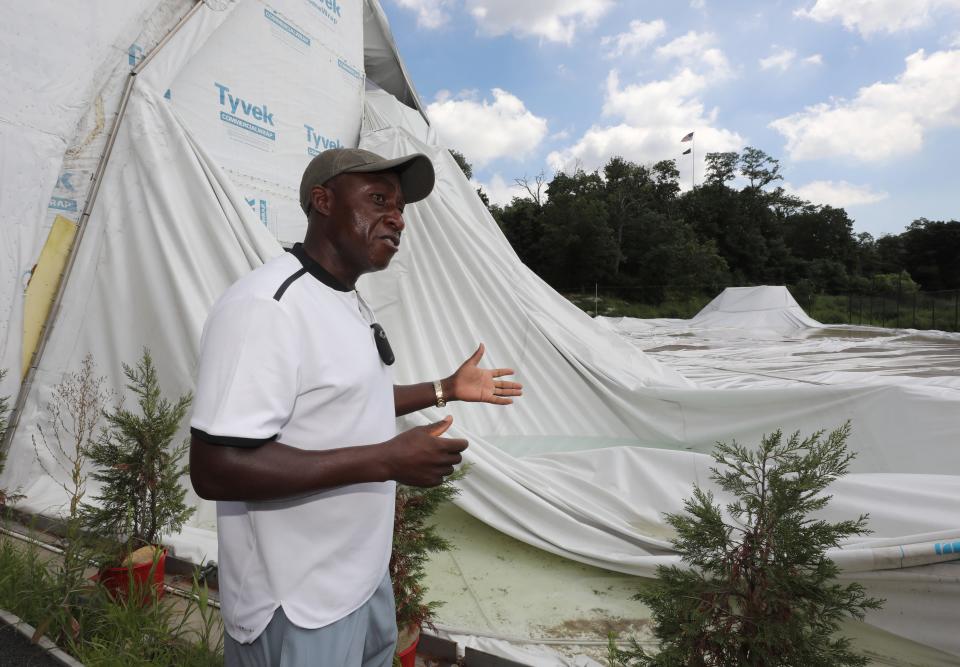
{"x": 294, "y": 427}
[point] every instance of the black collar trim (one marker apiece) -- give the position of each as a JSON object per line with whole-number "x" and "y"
{"x": 314, "y": 269}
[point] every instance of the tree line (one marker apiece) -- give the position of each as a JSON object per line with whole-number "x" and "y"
{"x": 629, "y": 225}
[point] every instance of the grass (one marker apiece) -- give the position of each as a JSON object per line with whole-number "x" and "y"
{"x": 615, "y": 306}
{"x": 102, "y": 632}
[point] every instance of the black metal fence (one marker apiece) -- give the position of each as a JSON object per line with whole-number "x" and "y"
{"x": 899, "y": 309}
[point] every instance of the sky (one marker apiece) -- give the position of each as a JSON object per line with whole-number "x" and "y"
{"x": 858, "y": 99}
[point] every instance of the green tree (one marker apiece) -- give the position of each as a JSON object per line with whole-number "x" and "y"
{"x": 822, "y": 232}
{"x": 138, "y": 470}
{"x": 890, "y": 253}
{"x": 758, "y": 168}
{"x": 522, "y": 223}
{"x": 758, "y": 588}
{"x": 666, "y": 185}
{"x": 627, "y": 194}
{"x": 577, "y": 246}
{"x": 461, "y": 160}
{"x": 721, "y": 168}
{"x": 931, "y": 253}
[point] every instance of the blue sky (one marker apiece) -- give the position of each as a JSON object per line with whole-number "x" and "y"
{"x": 858, "y": 99}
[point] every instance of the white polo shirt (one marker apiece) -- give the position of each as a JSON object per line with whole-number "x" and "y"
{"x": 287, "y": 354}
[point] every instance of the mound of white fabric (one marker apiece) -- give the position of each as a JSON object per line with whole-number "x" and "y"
{"x": 769, "y": 307}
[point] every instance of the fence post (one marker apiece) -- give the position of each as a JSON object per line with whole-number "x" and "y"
{"x": 899, "y": 292}
{"x": 596, "y": 299}
{"x": 914, "y": 325}
{"x": 933, "y": 312}
{"x": 850, "y": 307}
{"x": 956, "y": 310}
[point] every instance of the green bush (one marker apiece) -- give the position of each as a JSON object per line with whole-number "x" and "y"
{"x": 757, "y": 587}
{"x": 139, "y": 471}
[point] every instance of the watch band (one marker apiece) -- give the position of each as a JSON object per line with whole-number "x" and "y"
{"x": 438, "y": 390}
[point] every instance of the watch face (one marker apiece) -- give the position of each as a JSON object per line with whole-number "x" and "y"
{"x": 383, "y": 345}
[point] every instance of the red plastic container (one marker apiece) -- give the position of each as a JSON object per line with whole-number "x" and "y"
{"x": 118, "y": 580}
{"x": 408, "y": 656}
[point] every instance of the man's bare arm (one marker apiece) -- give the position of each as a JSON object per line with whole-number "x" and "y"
{"x": 409, "y": 398}
{"x": 273, "y": 471}
{"x": 468, "y": 383}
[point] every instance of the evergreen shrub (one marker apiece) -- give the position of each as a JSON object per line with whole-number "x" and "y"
{"x": 756, "y": 587}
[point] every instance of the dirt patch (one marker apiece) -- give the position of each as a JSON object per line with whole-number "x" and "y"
{"x": 594, "y": 628}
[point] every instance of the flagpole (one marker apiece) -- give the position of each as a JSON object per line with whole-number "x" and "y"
{"x": 693, "y": 157}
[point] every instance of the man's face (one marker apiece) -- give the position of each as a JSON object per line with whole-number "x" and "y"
{"x": 367, "y": 211}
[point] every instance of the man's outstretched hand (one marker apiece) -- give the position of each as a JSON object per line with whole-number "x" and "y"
{"x": 481, "y": 385}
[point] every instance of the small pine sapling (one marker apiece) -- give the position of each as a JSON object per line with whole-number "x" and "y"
{"x": 758, "y": 588}
{"x": 414, "y": 539}
{"x": 139, "y": 472}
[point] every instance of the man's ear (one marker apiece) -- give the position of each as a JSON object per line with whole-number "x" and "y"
{"x": 321, "y": 200}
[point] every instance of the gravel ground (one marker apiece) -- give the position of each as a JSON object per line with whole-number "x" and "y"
{"x": 17, "y": 651}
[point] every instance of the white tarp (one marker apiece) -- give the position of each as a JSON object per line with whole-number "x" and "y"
{"x": 606, "y": 438}
{"x": 278, "y": 83}
{"x": 63, "y": 69}
{"x": 762, "y": 307}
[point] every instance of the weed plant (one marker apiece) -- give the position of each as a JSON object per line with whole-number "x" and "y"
{"x": 6, "y": 497}
{"x": 75, "y": 410}
{"x": 105, "y": 632}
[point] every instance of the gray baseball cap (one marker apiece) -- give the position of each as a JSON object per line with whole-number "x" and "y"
{"x": 415, "y": 171}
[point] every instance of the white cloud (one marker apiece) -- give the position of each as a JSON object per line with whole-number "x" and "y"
{"x": 633, "y": 41}
{"x": 698, "y": 4}
{"x": 498, "y": 190}
{"x": 697, "y": 50}
{"x": 554, "y": 21}
{"x": 839, "y": 194}
{"x": 781, "y": 59}
{"x": 884, "y": 119}
{"x": 663, "y": 102}
{"x": 870, "y": 16}
{"x": 655, "y": 115}
{"x": 648, "y": 119}
{"x": 784, "y": 59}
{"x": 430, "y": 13}
{"x": 483, "y": 130}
